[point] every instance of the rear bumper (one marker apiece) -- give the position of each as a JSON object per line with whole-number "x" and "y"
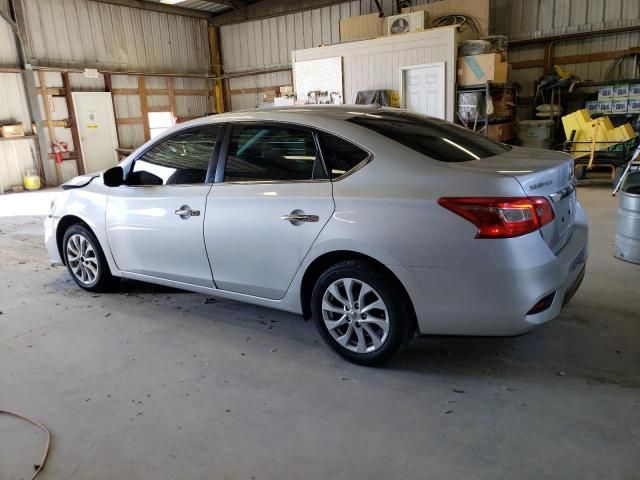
{"x": 492, "y": 289}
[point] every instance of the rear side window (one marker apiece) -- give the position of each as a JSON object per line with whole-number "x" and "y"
{"x": 271, "y": 153}
{"x": 432, "y": 137}
{"x": 340, "y": 155}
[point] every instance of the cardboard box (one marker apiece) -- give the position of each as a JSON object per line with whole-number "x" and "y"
{"x": 634, "y": 90}
{"x": 619, "y": 106}
{"x": 501, "y": 132}
{"x": 592, "y": 107}
{"x": 361, "y": 27}
{"x": 604, "y": 107}
{"x": 621, "y": 92}
{"x": 479, "y": 69}
{"x": 394, "y": 99}
{"x": 9, "y": 131}
{"x": 605, "y": 93}
{"x": 633, "y": 106}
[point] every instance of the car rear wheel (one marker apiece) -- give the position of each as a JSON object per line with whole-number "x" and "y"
{"x": 85, "y": 260}
{"x": 361, "y": 313}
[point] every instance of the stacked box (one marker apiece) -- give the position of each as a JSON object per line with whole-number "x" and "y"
{"x": 619, "y": 106}
{"x": 634, "y": 90}
{"x": 604, "y": 107}
{"x": 605, "y": 93}
{"x": 633, "y": 106}
{"x": 592, "y": 107}
{"x": 621, "y": 92}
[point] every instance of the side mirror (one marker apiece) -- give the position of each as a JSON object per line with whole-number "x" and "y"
{"x": 114, "y": 177}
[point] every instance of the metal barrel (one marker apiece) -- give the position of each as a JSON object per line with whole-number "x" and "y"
{"x": 627, "y": 245}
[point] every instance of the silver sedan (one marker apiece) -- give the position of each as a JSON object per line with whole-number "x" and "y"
{"x": 377, "y": 223}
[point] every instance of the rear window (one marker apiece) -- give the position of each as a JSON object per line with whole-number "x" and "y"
{"x": 435, "y": 138}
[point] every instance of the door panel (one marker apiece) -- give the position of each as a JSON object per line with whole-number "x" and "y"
{"x": 146, "y": 236}
{"x": 155, "y": 223}
{"x": 424, "y": 89}
{"x": 251, "y": 248}
{"x": 97, "y": 129}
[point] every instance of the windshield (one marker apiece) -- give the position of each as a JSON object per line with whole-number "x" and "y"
{"x": 440, "y": 140}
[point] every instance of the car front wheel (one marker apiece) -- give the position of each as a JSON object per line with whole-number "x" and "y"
{"x": 85, "y": 260}
{"x": 360, "y": 312}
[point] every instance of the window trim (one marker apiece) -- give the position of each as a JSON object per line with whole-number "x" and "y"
{"x": 222, "y": 157}
{"x": 365, "y": 161}
{"x": 213, "y": 160}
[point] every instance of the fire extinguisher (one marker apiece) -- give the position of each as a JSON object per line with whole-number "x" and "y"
{"x": 58, "y": 149}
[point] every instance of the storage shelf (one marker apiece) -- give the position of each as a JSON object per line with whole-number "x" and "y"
{"x": 24, "y": 137}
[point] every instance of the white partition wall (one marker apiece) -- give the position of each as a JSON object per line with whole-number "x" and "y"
{"x": 376, "y": 64}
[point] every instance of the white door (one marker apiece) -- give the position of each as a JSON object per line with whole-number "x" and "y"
{"x": 155, "y": 223}
{"x": 97, "y": 130}
{"x": 423, "y": 89}
{"x": 267, "y": 211}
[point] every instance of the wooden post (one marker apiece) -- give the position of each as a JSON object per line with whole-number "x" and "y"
{"x": 108, "y": 86}
{"x": 216, "y": 64}
{"x": 172, "y": 97}
{"x": 47, "y": 112}
{"x": 75, "y": 131}
{"x": 142, "y": 91}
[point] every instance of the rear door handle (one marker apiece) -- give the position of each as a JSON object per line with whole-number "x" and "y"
{"x": 298, "y": 217}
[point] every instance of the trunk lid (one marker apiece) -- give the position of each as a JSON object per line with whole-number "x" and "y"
{"x": 541, "y": 173}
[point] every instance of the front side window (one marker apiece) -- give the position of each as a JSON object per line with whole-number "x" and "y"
{"x": 432, "y": 137}
{"x": 271, "y": 153}
{"x": 178, "y": 160}
{"x": 341, "y": 156}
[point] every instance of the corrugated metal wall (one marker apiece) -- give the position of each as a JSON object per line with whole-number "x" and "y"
{"x": 267, "y": 44}
{"x": 84, "y": 33}
{"x": 523, "y": 19}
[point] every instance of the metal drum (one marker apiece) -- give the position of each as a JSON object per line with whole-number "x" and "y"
{"x": 627, "y": 246}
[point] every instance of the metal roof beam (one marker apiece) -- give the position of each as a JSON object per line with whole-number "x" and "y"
{"x": 159, "y": 7}
{"x": 268, "y": 8}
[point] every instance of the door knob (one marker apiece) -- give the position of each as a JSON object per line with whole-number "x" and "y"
{"x": 185, "y": 212}
{"x": 298, "y": 217}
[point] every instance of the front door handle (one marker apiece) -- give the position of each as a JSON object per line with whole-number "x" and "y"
{"x": 185, "y": 212}
{"x": 298, "y": 217}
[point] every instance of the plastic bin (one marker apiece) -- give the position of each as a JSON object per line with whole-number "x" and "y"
{"x": 536, "y": 133}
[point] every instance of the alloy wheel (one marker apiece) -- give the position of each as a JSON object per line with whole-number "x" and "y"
{"x": 82, "y": 259}
{"x": 355, "y": 315}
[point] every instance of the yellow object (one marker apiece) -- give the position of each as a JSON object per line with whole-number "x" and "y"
{"x": 31, "y": 180}
{"x": 562, "y": 73}
{"x": 394, "y": 99}
{"x": 593, "y": 134}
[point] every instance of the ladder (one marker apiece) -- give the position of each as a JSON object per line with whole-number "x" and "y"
{"x": 634, "y": 164}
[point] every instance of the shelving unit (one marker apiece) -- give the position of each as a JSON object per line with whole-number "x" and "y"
{"x": 488, "y": 90}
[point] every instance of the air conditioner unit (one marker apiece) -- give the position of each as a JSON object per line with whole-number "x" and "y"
{"x": 406, "y": 23}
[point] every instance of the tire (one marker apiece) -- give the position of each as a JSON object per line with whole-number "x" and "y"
{"x": 581, "y": 172}
{"x": 368, "y": 335}
{"x": 89, "y": 268}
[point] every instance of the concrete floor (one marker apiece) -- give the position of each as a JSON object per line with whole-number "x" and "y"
{"x": 154, "y": 383}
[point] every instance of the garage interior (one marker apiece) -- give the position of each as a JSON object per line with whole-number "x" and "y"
{"x": 153, "y": 382}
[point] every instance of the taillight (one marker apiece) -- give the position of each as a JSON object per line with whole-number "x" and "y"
{"x": 501, "y": 217}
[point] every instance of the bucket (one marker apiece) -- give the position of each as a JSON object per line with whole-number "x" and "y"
{"x": 627, "y": 244}
{"x": 31, "y": 180}
{"x": 536, "y": 133}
